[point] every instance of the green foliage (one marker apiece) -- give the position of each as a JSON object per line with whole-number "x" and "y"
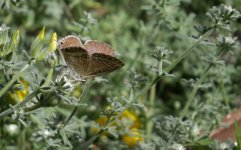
{"x": 181, "y": 74}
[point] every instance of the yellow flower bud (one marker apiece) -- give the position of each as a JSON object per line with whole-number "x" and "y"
{"x": 15, "y": 37}
{"x": 53, "y": 42}
{"x": 41, "y": 33}
{"x": 38, "y": 44}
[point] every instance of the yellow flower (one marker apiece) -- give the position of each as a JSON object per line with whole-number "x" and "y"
{"x": 102, "y": 121}
{"x": 21, "y": 94}
{"x": 134, "y": 124}
{"x": 133, "y": 138}
{"x": 13, "y": 97}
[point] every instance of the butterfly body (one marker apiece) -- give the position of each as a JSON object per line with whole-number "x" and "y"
{"x": 93, "y": 58}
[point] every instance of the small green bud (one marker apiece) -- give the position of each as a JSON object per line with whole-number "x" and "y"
{"x": 12, "y": 46}
{"x": 38, "y": 44}
{"x": 4, "y": 34}
{"x": 227, "y": 43}
{"x": 49, "y": 98}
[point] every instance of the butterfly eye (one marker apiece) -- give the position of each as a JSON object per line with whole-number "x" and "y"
{"x": 61, "y": 43}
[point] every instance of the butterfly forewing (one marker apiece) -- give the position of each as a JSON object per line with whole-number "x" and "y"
{"x": 99, "y": 47}
{"x": 70, "y": 41}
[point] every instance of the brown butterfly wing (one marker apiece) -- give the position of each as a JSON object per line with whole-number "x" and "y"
{"x": 77, "y": 59}
{"x": 99, "y": 47}
{"x": 70, "y": 41}
{"x": 102, "y": 63}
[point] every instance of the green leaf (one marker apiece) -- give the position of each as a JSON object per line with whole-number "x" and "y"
{"x": 204, "y": 142}
{"x": 64, "y": 137}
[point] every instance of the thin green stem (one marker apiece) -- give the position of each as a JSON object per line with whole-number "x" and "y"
{"x": 81, "y": 99}
{"x": 189, "y": 50}
{"x": 22, "y": 137}
{"x": 93, "y": 138}
{"x": 28, "y": 98}
{"x": 222, "y": 88}
{"x": 176, "y": 61}
{"x": 172, "y": 135}
{"x": 14, "y": 79}
{"x": 49, "y": 77}
{"x": 107, "y": 124}
{"x": 156, "y": 79}
{"x": 149, "y": 125}
{"x": 70, "y": 116}
{"x": 19, "y": 105}
{"x": 31, "y": 108}
{"x": 194, "y": 91}
{"x": 196, "y": 87}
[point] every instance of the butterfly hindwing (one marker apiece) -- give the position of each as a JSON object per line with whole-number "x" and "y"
{"x": 102, "y": 63}
{"x": 77, "y": 59}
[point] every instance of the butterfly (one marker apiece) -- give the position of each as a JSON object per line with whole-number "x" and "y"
{"x": 93, "y": 58}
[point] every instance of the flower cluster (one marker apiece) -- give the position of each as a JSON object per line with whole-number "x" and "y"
{"x": 130, "y": 122}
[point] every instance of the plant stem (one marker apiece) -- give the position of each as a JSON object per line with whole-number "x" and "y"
{"x": 176, "y": 61}
{"x": 156, "y": 79}
{"x": 31, "y": 108}
{"x": 49, "y": 77}
{"x": 188, "y": 51}
{"x": 194, "y": 91}
{"x": 28, "y": 98}
{"x": 149, "y": 124}
{"x": 93, "y": 138}
{"x": 196, "y": 87}
{"x": 172, "y": 135}
{"x": 17, "y": 106}
{"x": 14, "y": 78}
{"x": 86, "y": 88}
{"x": 70, "y": 116}
{"x": 224, "y": 94}
{"x": 22, "y": 137}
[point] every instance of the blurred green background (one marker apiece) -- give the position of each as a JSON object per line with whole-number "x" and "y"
{"x": 134, "y": 28}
